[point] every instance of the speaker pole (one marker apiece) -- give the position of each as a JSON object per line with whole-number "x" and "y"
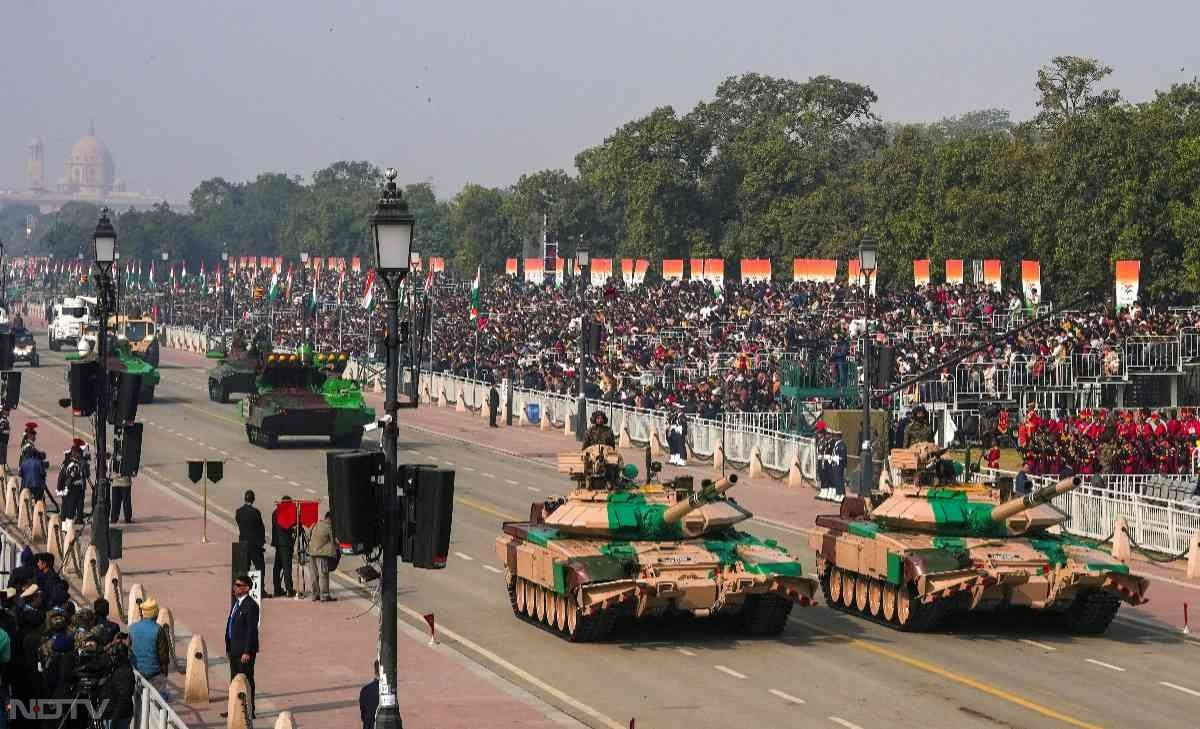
{"x": 105, "y": 244}
{"x": 204, "y": 524}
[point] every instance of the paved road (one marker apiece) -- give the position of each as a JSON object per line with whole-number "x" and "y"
{"x": 826, "y": 670}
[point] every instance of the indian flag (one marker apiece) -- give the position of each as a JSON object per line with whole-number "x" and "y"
{"x": 368, "y": 297}
{"x": 288, "y": 290}
{"x": 152, "y": 273}
{"x": 475, "y": 296}
{"x": 316, "y": 285}
{"x": 273, "y": 292}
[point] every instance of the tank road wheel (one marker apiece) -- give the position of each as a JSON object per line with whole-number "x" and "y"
{"x": 510, "y": 584}
{"x": 530, "y": 591}
{"x": 889, "y": 602}
{"x": 519, "y": 596}
{"x": 216, "y": 392}
{"x": 849, "y": 585}
{"x": 572, "y": 618}
{"x": 765, "y": 614}
{"x": 875, "y": 597}
{"x": 836, "y": 583}
{"x": 860, "y": 593}
{"x": 912, "y": 615}
{"x": 539, "y": 603}
{"x": 561, "y": 609}
{"x": 1091, "y": 612}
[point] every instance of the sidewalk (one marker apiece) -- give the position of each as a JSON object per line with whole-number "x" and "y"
{"x": 316, "y": 656}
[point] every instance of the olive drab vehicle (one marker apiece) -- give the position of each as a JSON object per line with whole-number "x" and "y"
{"x": 304, "y": 394}
{"x": 925, "y": 547}
{"x": 236, "y": 371}
{"x": 142, "y": 335}
{"x": 614, "y": 548}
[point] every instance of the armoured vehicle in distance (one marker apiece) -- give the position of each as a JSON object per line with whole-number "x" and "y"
{"x": 613, "y": 548}
{"x": 930, "y": 548}
{"x": 121, "y": 359}
{"x": 304, "y": 394}
{"x": 142, "y": 335}
{"x": 236, "y": 371}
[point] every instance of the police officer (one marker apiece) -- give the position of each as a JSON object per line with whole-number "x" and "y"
{"x": 72, "y": 482}
{"x": 918, "y": 430}
{"x": 599, "y": 433}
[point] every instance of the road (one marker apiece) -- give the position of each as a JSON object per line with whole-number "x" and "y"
{"x": 828, "y": 669}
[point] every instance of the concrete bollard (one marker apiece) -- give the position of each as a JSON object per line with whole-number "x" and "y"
{"x": 719, "y": 459}
{"x": 544, "y": 423}
{"x": 623, "y": 439}
{"x": 238, "y": 706}
{"x": 71, "y": 556}
{"x": 285, "y": 721}
{"x": 1193, "y": 565}
{"x": 656, "y": 446}
{"x": 443, "y": 401}
{"x": 11, "y": 498}
{"x": 90, "y": 590}
{"x": 38, "y": 529}
{"x": 756, "y": 467}
{"x": 426, "y": 396}
{"x": 1120, "y": 541}
{"x": 195, "y": 677}
{"x": 460, "y": 406}
{"x": 795, "y": 476}
{"x": 112, "y": 589}
{"x": 485, "y": 411}
{"x": 167, "y": 618}
{"x": 54, "y": 538}
{"x": 25, "y": 510}
{"x": 132, "y": 612}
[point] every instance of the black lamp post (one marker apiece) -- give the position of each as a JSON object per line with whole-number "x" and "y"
{"x": 867, "y": 265}
{"x": 171, "y": 290}
{"x": 392, "y": 225}
{"x": 105, "y": 241}
{"x": 304, "y": 301}
{"x": 224, "y": 284}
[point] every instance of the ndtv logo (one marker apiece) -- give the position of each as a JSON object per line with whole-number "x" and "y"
{"x": 56, "y": 709}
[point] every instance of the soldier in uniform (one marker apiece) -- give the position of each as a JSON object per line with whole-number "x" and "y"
{"x": 918, "y": 430}
{"x": 599, "y": 433}
{"x": 5, "y": 431}
{"x": 72, "y": 482}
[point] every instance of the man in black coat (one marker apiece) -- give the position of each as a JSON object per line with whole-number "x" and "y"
{"x": 253, "y": 533}
{"x": 493, "y": 405}
{"x": 284, "y": 541}
{"x": 241, "y": 633}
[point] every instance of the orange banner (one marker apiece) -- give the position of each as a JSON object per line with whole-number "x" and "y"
{"x": 278, "y": 263}
{"x": 534, "y": 270}
{"x": 1031, "y": 282}
{"x": 672, "y": 269}
{"x": 601, "y": 271}
{"x": 954, "y": 271}
{"x": 437, "y": 264}
{"x": 356, "y": 264}
{"x": 756, "y": 269}
{"x": 991, "y": 274}
{"x": 264, "y": 261}
{"x": 921, "y": 272}
{"x": 696, "y": 268}
{"x": 634, "y": 272}
{"x": 714, "y": 271}
{"x": 1128, "y": 277}
{"x": 510, "y": 267}
{"x": 822, "y": 270}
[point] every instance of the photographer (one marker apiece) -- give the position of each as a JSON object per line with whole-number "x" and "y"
{"x": 120, "y": 685}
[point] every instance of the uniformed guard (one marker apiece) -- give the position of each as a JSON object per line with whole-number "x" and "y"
{"x": 918, "y": 430}
{"x": 599, "y": 433}
{"x": 72, "y": 482}
{"x": 5, "y": 431}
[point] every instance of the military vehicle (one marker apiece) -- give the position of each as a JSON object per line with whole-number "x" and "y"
{"x": 142, "y": 335}
{"x": 121, "y": 359}
{"x": 236, "y": 372}
{"x": 304, "y": 394}
{"x": 924, "y": 547}
{"x": 614, "y": 548}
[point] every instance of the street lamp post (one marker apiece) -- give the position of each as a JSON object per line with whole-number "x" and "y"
{"x": 867, "y": 265}
{"x": 581, "y": 262}
{"x": 224, "y": 285}
{"x": 304, "y": 302}
{"x": 171, "y": 300}
{"x": 392, "y": 225}
{"x": 105, "y": 241}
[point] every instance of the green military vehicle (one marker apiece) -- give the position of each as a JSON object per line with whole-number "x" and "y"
{"x": 236, "y": 372}
{"x": 122, "y": 359}
{"x": 305, "y": 395}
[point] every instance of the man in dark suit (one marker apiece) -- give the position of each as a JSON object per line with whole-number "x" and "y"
{"x": 253, "y": 533}
{"x": 284, "y": 541}
{"x": 241, "y": 634}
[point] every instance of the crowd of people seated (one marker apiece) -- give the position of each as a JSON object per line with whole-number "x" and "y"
{"x": 1102, "y": 441}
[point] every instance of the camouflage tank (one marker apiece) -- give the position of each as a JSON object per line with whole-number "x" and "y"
{"x": 236, "y": 372}
{"x": 305, "y": 395}
{"x": 924, "y": 550}
{"x": 613, "y": 548}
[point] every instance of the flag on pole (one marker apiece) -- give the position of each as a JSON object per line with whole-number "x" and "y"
{"x": 316, "y": 285}
{"x": 479, "y": 320}
{"x": 151, "y": 273}
{"x": 273, "y": 292}
{"x": 429, "y": 281}
{"x": 341, "y": 286}
{"x": 368, "y": 297}
{"x": 287, "y": 293}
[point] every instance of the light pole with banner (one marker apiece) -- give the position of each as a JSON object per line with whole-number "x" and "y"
{"x": 392, "y": 225}
{"x": 867, "y": 265}
{"x": 105, "y": 242}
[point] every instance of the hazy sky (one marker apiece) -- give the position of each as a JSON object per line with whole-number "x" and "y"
{"x": 456, "y": 92}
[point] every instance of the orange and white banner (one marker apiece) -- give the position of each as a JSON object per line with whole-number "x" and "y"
{"x": 991, "y": 274}
{"x": 356, "y": 264}
{"x": 714, "y": 271}
{"x": 279, "y": 263}
{"x": 954, "y": 271}
{"x": 854, "y": 274}
{"x": 634, "y": 272}
{"x": 601, "y": 271}
{"x": 823, "y": 270}
{"x": 1128, "y": 276}
{"x": 672, "y": 269}
{"x": 1031, "y": 282}
{"x": 696, "y": 269}
{"x": 756, "y": 269}
{"x": 265, "y": 261}
{"x": 921, "y": 272}
{"x": 535, "y": 270}
{"x": 436, "y": 264}
{"x": 561, "y": 267}
{"x": 510, "y": 267}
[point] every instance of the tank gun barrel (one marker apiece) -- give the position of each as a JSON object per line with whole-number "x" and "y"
{"x": 1037, "y": 498}
{"x": 705, "y": 495}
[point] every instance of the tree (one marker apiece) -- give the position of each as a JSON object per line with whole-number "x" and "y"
{"x": 1067, "y": 88}
{"x": 478, "y": 223}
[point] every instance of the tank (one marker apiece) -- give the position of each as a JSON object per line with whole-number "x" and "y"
{"x": 924, "y": 548}
{"x": 614, "y": 548}
{"x": 304, "y": 394}
{"x": 236, "y": 372}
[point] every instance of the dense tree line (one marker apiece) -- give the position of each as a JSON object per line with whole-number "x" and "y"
{"x": 778, "y": 168}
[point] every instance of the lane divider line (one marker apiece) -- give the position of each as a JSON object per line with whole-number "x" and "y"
{"x": 490, "y": 568}
{"x": 1105, "y": 665}
{"x": 467, "y": 557}
{"x": 786, "y": 697}
{"x": 729, "y": 671}
{"x": 686, "y": 652}
{"x": 1180, "y": 688}
{"x": 1036, "y": 644}
{"x": 842, "y": 722}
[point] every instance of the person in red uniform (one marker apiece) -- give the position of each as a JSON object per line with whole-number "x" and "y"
{"x": 1157, "y": 427}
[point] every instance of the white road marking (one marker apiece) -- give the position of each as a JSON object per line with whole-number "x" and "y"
{"x": 729, "y": 671}
{"x": 1036, "y": 644}
{"x": 686, "y": 652}
{"x": 490, "y": 568}
{"x": 200, "y": 442}
{"x": 510, "y": 482}
{"x": 224, "y": 453}
{"x": 448, "y": 463}
{"x": 467, "y": 468}
{"x": 1106, "y": 665}
{"x": 276, "y": 475}
{"x": 467, "y": 557}
{"x": 485, "y": 474}
{"x": 263, "y": 470}
{"x": 251, "y": 465}
{"x": 842, "y": 722}
{"x": 786, "y": 697}
{"x": 1180, "y": 688}
{"x": 293, "y": 483}
{"x": 533, "y": 488}
{"x": 311, "y": 491}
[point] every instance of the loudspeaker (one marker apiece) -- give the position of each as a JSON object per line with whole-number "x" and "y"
{"x": 8, "y": 340}
{"x": 240, "y": 558}
{"x": 130, "y": 453}
{"x": 427, "y": 513}
{"x": 354, "y": 492}
{"x": 84, "y": 387}
{"x": 125, "y": 389}
{"x": 10, "y": 389}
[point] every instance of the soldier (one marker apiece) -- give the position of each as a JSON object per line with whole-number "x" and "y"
{"x": 918, "y": 430}
{"x": 599, "y": 433}
{"x": 72, "y": 482}
{"x": 5, "y": 431}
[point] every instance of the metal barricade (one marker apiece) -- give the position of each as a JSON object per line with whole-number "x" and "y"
{"x": 1153, "y": 355}
{"x": 981, "y": 380}
{"x": 1098, "y": 366}
{"x": 1189, "y": 344}
{"x": 153, "y": 710}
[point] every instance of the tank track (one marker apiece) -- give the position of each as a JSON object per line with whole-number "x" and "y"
{"x": 560, "y": 614}
{"x": 765, "y": 615}
{"x": 1091, "y": 612}
{"x": 907, "y": 613}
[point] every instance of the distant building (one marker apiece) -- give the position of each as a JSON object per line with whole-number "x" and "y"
{"x": 90, "y": 167}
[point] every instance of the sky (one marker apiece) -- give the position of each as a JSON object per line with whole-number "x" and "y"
{"x": 453, "y": 92}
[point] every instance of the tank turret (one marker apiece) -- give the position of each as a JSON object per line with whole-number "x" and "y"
{"x": 707, "y": 494}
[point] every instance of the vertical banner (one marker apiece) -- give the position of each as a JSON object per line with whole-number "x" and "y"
{"x": 756, "y": 270}
{"x": 1128, "y": 275}
{"x": 854, "y": 275}
{"x": 672, "y": 269}
{"x": 510, "y": 267}
{"x": 356, "y": 264}
{"x": 991, "y": 274}
{"x": 560, "y": 271}
{"x": 414, "y": 262}
{"x": 265, "y": 261}
{"x": 641, "y": 266}
{"x": 533, "y": 270}
{"x": 601, "y": 271}
{"x": 627, "y": 271}
{"x": 1031, "y": 282}
{"x": 820, "y": 270}
{"x": 696, "y": 269}
{"x": 954, "y": 271}
{"x": 714, "y": 271}
{"x": 921, "y": 272}
{"x": 437, "y": 264}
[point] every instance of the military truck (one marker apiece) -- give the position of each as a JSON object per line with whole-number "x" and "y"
{"x": 304, "y": 394}
{"x": 142, "y": 335}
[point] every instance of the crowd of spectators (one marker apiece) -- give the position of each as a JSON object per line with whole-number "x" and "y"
{"x": 1103, "y": 441}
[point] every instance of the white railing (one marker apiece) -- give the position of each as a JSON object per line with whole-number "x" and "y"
{"x": 1041, "y": 373}
{"x": 1153, "y": 355}
{"x": 1189, "y": 344}
{"x": 1106, "y": 366}
{"x": 153, "y": 710}
{"x": 982, "y": 380}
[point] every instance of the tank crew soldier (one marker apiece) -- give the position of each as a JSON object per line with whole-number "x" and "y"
{"x": 599, "y": 433}
{"x": 918, "y": 430}
{"x": 252, "y": 531}
{"x": 72, "y": 482}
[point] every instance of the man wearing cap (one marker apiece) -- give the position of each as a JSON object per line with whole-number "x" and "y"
{"x": 33, "y": 464}
{"x": 72, "y": 483}
{"x": 241, "y": 634}
{"x": 150, "y": 648}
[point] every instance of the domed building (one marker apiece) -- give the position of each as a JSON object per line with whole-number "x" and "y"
{"x": 90, "y": 168}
